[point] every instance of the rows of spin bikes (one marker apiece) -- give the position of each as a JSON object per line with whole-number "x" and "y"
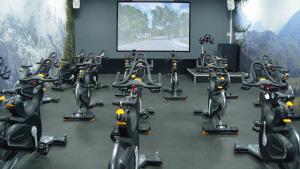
{"x": 21, "y": 130}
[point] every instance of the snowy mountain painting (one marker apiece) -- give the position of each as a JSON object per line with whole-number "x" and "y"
{"x": 30, "y": 30}
{"x": 274, "y": 31}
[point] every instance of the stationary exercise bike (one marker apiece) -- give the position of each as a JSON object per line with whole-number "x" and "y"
{"x": 68, "y": 72}
{"x": 86, "y": 82}
{"x": 21, "y": 130}
{"x": 217, "y": 102}
{"x": 97, "y": 59}
{"x": 46, "y": 66}
{"x": 131, "y": 58}
{"x": 44, "y": 69}
{"x": 140, "y": 68}
{"x": 201, "y": 62}
{"x": 278, "y": 141}
{"x": 67, "y": 75}
{"x": 174, "y": 90}
{"x": 270, "y": 67}
{"x": 126, "y": 151}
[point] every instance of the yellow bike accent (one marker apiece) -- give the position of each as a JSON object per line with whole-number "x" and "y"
{"x": 138, "y": 79}
{"x": 120, "y": 111}
{"x": 262, "y": 78}
{"x": 41, "y": 75}
{"x": 2, "y": 98}
{"x": 287, "y": 120}
{"x": 133, "y": 76}
{"x": 290, "y": 104}
{"x": 121, "y": 123}
{"x": 10, "y": 106}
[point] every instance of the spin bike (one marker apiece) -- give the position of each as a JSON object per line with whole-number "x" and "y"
{"x": 45, "y": 69}
{"x": 84, "y": 85}
{"x": 67, "y": 75}
{"x": 174, "y": 90}
{"x": 217, "y": 102}
{"x": 133, "y": 57}
{"x": 68, "y": 72}
{"x": 126, "y": 151}
{"x": 271, "y": 67}
{"x": 140, "y": 68}
{"x": 201, "y": 62}
{"x": 278, "y": 141}
{"x": 98, "y": 61}
{"x": 21, "y": 130}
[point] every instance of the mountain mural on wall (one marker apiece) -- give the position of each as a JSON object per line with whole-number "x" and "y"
{"x": 292, "y": 28}
{"x": 283, "y": 47}
{"x": 30, "y": 32}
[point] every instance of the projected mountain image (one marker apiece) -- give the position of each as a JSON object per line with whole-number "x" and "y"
{"x": 153, "y": 26}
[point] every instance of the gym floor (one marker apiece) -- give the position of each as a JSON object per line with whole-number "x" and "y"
{"x": 176, "y": 133}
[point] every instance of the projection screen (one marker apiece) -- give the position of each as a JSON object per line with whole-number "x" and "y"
{"x": 153, "y": 26}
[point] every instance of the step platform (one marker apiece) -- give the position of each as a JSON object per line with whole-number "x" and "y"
{"x": 235, "y": 77}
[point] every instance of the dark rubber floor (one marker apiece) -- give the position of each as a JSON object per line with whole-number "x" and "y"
{"x": 176, "y": 133}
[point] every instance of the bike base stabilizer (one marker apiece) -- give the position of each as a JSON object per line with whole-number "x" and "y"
{"x": 221, "y": 129}
{"x": 88, "y": 116}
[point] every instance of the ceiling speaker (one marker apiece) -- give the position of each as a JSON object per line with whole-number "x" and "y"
{"x": 230, "y": 5}
{"x": 76, "y": 4}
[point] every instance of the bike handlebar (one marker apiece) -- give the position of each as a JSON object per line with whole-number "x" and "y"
{"x": 174, "y": 56}
{"x": 38, "y": 78}
{"x": 269, "y": 81}
{"x": 9, "y": 91}
{"x": 138, "y": 83}
{"x": 281, "y": 95}
{"x": 128, "y": 82}
{"x": 207, "y": 38}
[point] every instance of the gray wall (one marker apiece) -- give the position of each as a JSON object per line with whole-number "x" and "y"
{"x": 95, "y": 26}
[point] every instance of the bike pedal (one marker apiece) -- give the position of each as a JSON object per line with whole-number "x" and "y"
{"x": 256, "y": 129}
{"x": 43, "y": 149}
{"x": 56, "y": 100}
{"x": 150, "y": 111}
{"x": 144, "y": 130}
{"x": 257, "y": 123}
{"x": 204, "y": 114}
{"x": 144, "y": 115}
